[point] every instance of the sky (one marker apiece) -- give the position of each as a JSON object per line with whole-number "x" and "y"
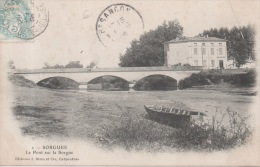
{"x": 71, "y": 32}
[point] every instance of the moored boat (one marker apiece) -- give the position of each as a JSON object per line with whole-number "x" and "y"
{"x": 171, "y": 116}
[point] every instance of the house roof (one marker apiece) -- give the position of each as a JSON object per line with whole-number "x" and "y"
{"x": 196, "y": 39}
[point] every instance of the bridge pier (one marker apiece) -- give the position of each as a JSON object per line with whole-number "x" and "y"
{"x": 131, "y": 87}
{"x": 83, "y": 87}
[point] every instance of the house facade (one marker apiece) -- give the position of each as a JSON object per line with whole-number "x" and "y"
{"x": 209, "y": 52}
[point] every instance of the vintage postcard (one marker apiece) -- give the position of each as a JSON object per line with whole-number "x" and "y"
{"x": 142, "y": 82}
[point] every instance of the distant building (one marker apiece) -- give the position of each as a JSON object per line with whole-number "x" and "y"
{"x": 209, "y": 52}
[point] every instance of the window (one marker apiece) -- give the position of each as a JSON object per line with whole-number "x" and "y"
{"x": 204, "y": 63}
{"x": 203, "y": 44}
{"x": 203, "y": 51}
{"x": 211, "y": 44}
{"x": 196, "y": 62}
{"x": 195, "y": 44}
{"x": 220, "y": 51}
{"x": 212, "y": 63}
{"x": 220, "y": 44}
{"x": 212, "y": 51}
{"x": 195, "y": 51}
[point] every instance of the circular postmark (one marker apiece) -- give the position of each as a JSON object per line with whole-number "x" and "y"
{"x": 22, "y": 19}
{"x": 117, "y": 23}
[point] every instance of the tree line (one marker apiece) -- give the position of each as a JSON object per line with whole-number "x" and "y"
{"x": 148, "y": 50}
{"x": 240, "y": 42}
{"x": 71, "y": 64}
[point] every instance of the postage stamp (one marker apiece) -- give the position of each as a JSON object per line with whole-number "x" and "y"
{"x": 22, "y": 19}
{"x": 118, "y": 22}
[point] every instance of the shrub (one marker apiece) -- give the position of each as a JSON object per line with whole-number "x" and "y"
{"x": 248, "y": 79}
{"x": 18, "y": 80}
{"x": 194, "y": 80}
{"x": 223, "y": 131}
{"x": 186, "y": 64}
{"x": 216, "y": 77}
{"x": 132, "y": 132}
{"x": 178, "y": 64}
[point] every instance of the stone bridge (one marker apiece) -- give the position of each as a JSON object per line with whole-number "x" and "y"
{"x": 130, "y": 74}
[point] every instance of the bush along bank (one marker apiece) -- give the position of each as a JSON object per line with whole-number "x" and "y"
{"x": 224, "y": 131}
{"x": 20, "y": 81}
{"x": 215, "y": 77}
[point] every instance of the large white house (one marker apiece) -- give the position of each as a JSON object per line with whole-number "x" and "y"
{"x": 209, "y": 52}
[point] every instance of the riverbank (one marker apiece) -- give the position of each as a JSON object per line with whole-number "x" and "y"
{"x": 73, "y": 114}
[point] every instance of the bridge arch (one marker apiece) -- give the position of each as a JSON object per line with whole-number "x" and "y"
{"x": 58, "y": 82}
{"x": 156, "y": 82}
{"x": 108, "y": 82}
{"x": 84, "y": 75}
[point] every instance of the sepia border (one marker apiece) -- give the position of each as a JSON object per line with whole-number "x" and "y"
{"x": 11, "y": 142}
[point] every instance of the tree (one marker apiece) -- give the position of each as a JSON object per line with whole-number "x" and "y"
{"x": 240, "y": 42}
{"x": 47, "y": 66}
{"x": 11, "y": 64}
{"x": 237, "y": 47}
{"x": 149, "y": 49}
{"x": 57, "y": 66}
{"x": 92, "y": 64}
{"x": 74, "y": 64}
{"x": 248, "y": 34}
{"x": 71, "y": 64}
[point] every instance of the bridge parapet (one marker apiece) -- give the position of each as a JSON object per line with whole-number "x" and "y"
{"x": 121, "y": 69}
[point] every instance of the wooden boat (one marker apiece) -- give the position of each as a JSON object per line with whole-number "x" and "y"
{"x": 171, "y": 116}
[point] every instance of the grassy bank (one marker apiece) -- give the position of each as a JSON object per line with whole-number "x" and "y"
{"x": 136, "y": 133}
{"x": 18, "y": 80}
